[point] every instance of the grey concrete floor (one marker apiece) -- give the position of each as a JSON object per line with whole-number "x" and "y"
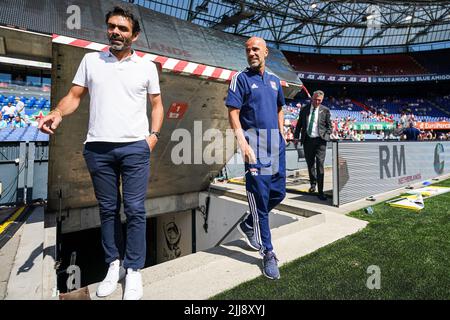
{"x": 7, "y": 256}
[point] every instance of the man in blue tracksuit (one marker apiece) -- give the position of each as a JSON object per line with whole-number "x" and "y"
{"x": 255, "y": 100}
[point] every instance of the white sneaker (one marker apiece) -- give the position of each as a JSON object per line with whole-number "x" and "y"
{"x": 115, "y": 273}
{"x": 133, "y": 285}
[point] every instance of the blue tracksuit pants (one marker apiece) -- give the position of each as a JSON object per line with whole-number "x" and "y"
{"x": 266, "y": 188}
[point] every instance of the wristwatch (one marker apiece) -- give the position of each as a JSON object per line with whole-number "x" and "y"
{"x": 156, "y": 133}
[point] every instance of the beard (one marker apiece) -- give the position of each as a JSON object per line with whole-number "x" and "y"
{"x": 118, "y": 43}
{"x": 255, "y": 64}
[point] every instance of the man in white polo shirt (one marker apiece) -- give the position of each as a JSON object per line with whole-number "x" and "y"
{"x": 20, "y": 107}
{"x": 118, "y": 143}
{"x": 8, "y": 112}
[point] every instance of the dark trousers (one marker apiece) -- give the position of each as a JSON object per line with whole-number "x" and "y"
{"x": 109, "y": 163}
{"x": 315, "y": 151}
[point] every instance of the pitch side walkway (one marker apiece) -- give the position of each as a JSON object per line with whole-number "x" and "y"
{"x": 204, "y": 274}
{"x": 207, "y": 273}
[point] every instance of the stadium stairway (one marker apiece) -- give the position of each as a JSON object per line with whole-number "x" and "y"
{"x": 299, "y": 227}
{"x": 440, "y": 108}
{"x": 419, "y": 65}
{"x": 206, "y": 273}
{"x": 28, "y": 133}
{"x": 361, "y": 105}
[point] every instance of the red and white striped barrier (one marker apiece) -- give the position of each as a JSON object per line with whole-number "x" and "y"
{"x": 167, "y": 64}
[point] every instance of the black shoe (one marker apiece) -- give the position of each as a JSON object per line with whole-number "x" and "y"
{"x": 312, "y": 189}
{"x": 322, "y": 197}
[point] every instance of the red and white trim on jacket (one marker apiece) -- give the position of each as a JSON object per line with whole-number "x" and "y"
{"x": 167, "y": 64}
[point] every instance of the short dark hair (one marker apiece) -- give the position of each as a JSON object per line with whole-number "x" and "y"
{"x": 120, "y": 11}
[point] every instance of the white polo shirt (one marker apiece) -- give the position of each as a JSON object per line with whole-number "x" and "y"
{"x": 118, "y": 92}
{"x": 20, "y": 107}
{"x": 9, "y": 110}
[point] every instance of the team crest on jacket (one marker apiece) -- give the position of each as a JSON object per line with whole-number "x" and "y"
{"x": 274, "y": 85}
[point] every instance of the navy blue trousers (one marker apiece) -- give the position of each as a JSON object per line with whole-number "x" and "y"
{"x": 109, "y": 164}
{"x": 265, "y": 184}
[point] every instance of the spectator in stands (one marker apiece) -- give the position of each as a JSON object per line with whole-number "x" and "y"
{"x": 411, "y": 118}
{"x": 432, "y": 135}
{"x": 3, "y": 122}
{"x": 354, "y": 135}
{"x": 335, "y": 135}
{"x": 18, "y": 122}
{"x": 2, "y": 114}
{"x": 20, "y": 107}
{"x": 380, "y": 135}
{"x": 26, "y": 118}
{"x": 422, "y": 136}
{"x": 361, "y": 136}
{"x": 398, "y": 130}
{"x": 9, "y": 112}
{"x": 390, "y": 135}
{"x": 412, "y": 133}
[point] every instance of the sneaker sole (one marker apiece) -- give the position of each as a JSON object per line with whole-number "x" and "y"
{"x": 246, "y": 239}
{"x": 269, "y": 277}
{"x": 106, "y": 294}
{"x": 137, "y": 298}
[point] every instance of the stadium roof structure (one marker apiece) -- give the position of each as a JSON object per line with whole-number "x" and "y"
{"x": 297, "y": 25}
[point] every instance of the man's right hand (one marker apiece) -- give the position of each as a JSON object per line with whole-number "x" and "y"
{"x": 248, "y": 154}
{"x": 50, "y": 122}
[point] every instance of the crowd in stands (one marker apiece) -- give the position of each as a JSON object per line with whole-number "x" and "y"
{"x": 20, "y": 112}
{"x": 419, "y": 63}
{"x": 372, "y": 65}
{"x": 431, "y": 135}
{"x": 381, "y": 119}
{"x": 388, "y": 115}
{"x": 423, "y": 110}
